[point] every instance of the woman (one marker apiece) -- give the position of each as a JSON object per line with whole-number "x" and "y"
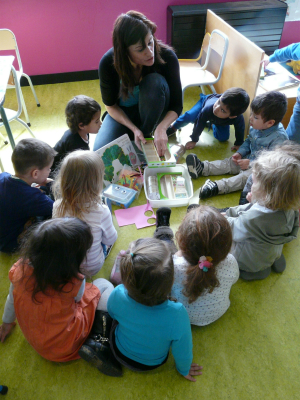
{"x": 140, "y": 84}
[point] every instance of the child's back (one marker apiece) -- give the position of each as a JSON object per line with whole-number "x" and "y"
{"x": 204, "y": 236}
{"x": 77, "y": 190}
{"x": 19, "y": 202}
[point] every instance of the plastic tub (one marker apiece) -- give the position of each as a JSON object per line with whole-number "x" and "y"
{"x": 169, "y": 202}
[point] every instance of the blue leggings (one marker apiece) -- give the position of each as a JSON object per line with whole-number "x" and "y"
{"x": 221, "y": 133}
{"x": 154, "y": 98}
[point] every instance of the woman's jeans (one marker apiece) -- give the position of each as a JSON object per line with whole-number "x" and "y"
{"x": 154, "y": 98}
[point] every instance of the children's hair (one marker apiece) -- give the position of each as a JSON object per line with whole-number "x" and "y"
{"x": 276, "y": 180}
{"x": 55, "y": 249}
{"x": 129, "y": 29}
{"x": 79, "y": 183}
{"x": 236, "y": 99}
{"x": 270, "y": 105}
{"x": 147, "y": 271}
{"x": 289, "y": 147}
{"x": 203, "y": 232}
{"x": 80, "y": 110}
{"x": 30, "y": 153}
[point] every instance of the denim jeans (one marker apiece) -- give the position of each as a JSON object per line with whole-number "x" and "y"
{"x": 293, "y": 129}
{"x": 154, "y": 98}
{"x": 221, "y": 133}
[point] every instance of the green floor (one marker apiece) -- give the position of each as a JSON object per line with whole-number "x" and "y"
{"x": 252, "y": 352}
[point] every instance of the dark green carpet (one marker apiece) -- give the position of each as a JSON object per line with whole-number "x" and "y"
{"x": 251, "y": 353}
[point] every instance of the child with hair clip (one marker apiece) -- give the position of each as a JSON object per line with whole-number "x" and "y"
{"x": 55, "y": 308}
{"x": 204, "y": 269}
{"x": 261, "y": 228}
{"x": 77, "y": 192}
{"x": 146, "y": 322}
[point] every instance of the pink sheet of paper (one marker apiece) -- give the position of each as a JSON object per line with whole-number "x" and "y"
{"x": 134, "y": 215}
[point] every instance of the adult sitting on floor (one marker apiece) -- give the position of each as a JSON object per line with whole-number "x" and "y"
{"x": 140, "y": 84}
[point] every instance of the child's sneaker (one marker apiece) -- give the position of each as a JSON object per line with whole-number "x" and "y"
{"x": 195, "y": 166}
{"x": 209, "y": 189}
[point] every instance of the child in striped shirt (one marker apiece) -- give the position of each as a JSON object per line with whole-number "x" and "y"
{"x": 77, "y": 192}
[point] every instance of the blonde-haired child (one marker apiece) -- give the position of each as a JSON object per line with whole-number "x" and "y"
{"x": 147, "y": 324}
{"x": 204, "y": 269}
{"x": 77, "y": 191}
{"x": 260, "y": 229}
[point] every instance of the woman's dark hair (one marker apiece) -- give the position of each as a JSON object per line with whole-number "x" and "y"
{"x": 203, "y": 232}
{"x": 55, "y": 249}
{"x": 129, "y": 29}
{"x": 147, "y": 271}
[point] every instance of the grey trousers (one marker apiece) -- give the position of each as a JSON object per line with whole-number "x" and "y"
{"x": 105, "y": 288}
{"x": 227, "y": 166}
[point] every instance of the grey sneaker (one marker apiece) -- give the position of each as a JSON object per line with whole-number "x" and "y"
{"x": 209, "y": 189}
{"x": 195, "y": 166}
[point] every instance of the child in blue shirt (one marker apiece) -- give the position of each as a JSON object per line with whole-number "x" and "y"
{"x": 291, "y": 52}
{"x": 221, "y": 110}
{"x": 19, "y": 201}
{"x": 146, "y": 322}
{"x": 266, "y": 131}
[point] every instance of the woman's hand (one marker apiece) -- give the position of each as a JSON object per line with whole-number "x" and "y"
{"x": 138, "y": 138}
{"x": 190, "y": 145}
{"x": 194, "y": 370}
{"x": 160, "y": 140}
{"x": 5, "y": 330}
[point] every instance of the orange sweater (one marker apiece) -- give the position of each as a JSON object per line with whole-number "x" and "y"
{"x": 55, "y": 326}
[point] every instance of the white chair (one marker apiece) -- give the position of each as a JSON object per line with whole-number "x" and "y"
{"x": 197, "y": 72}
{"x": 12, "y": 114}
{"x": 8, "y": 41}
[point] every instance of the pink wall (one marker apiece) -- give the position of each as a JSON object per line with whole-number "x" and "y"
{"x": 71, "y": 35}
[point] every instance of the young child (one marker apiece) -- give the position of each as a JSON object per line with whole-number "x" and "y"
{"x": 77, "y": 192}
{"x": 291, "y": 52}
{"x": 54, "y": 306}
{"x": 83, "y": 117}
{"x": 266, "y": 131}
{"x": 221, "y": 110}
{"x": 261, "y": 229}
{"x": 147, "y": 323}
{"x": 204, "y": 269}
{"x": 20, "y": 203}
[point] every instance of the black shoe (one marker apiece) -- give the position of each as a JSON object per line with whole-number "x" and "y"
{"x": 243, "y": 199}
{"x": 163, "y": 216}
{"x": 279, "y": 265}
{"x": 254, "y": 276}
{"x": 209, "y": 189}
{"x": 194, "y": 165}
{"x": 4, "y": 389}
{"x": 101, "y": 357}
{"x": 171, "y": 131}
{"x": 192, "y": 207}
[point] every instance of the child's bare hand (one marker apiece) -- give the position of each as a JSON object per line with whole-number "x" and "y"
{"x": 235, "y": 148}
{"x": 265, "y": 63}
{"x": 194, "y": 371}
{"x": 249, "y": 197}
{"x": 190, "y": 145}
{"x": 5, "y": 330}
{"x": 236, "y": 157}
{"x": 244, "y": 164}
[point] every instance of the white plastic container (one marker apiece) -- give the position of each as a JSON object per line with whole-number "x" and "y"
{"x": 169, "y": 202}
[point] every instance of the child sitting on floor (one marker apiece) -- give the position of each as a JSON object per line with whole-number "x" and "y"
{"x": 77, "y": 192}
{"x": 266, "y": 131}
{"x": 83, "y": 117}
{"x": 261, "y": 229}
{"x": 54, "y": 306}
{"x": 20, "y": 203}
{"x": 204, "y": 269}
{"x": 221, "y": 110}
{"x": 147, "y": 324}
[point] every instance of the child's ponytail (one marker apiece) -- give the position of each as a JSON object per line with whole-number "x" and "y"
{"x": 204, "y": 238}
